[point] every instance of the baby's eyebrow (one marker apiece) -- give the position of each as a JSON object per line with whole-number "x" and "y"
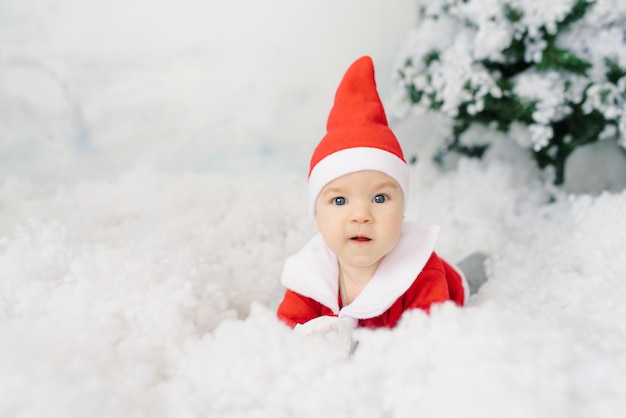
{"x": 332, "y": 190}
{"x": 385, "y": 184}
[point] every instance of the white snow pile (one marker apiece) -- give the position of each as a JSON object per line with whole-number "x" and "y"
{"x": 147, "y": 207}
{"x": 154, "y": 295}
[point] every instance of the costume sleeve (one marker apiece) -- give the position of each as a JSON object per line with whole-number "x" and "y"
{"x": 458, "y": 288}
{"x": 297, "y": 309}
{"x": 429, "y": 287}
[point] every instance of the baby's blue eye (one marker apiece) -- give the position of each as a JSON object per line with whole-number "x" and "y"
{"x": 339, "y": 201}
{"x": 380, "y": 198}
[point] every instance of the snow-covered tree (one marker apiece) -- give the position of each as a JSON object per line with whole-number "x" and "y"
{"x": 551, "y": 74}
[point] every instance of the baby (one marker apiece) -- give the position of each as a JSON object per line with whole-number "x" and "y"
{"x": 367, "y": 265}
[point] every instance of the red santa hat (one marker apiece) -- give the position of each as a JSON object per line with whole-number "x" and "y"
{"x": 357, "y": 135}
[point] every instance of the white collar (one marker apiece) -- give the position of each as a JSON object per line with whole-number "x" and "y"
{"x": 313, "y": 272}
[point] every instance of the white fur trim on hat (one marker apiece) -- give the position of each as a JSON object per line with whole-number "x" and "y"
{"x": 350, "y": 160}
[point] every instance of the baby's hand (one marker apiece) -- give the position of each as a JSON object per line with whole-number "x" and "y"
{"x": 320, "y": 325}
{"x": 331, "y": 327}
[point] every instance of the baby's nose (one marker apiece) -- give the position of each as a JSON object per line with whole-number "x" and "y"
{"x": 361, "y": 214}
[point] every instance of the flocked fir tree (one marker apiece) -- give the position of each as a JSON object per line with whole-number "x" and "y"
{"x": 551, "y": 74}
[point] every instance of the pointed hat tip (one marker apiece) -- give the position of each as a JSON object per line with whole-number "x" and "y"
{"x": 365, "y": 59}
{"x": 357, "y": 101}
{"x": 362, "y": 66}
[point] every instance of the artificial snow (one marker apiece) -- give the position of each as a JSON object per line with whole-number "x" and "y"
{"x": 133, "y": 284}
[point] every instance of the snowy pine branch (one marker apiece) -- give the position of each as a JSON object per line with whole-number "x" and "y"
{"x": 557, "y": 68}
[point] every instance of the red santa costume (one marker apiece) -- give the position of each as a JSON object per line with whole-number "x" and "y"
{"x": 411, "y": 275}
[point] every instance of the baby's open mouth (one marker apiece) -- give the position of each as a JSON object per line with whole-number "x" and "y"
{"x": 360, "y": 238}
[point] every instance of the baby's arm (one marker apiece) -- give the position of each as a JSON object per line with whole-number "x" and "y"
{"x": 429, "y": 287}
{"x": 297, "y": 309}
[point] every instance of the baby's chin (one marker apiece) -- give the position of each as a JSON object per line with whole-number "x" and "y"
{"x": 360, "y": 262}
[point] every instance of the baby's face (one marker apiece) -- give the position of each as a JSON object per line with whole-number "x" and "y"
{"x": 360, "y": 217}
